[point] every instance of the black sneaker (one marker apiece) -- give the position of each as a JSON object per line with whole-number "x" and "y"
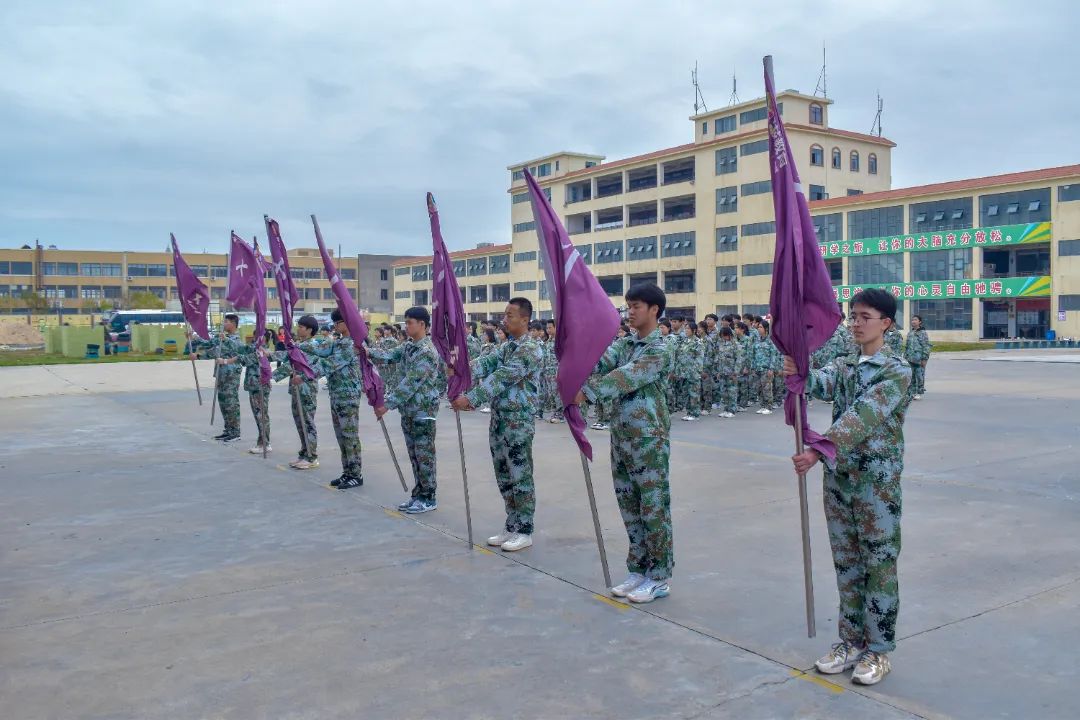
{"x": 230, "y": 438}
{"x": 350, "y": 482}
{"x": 337, "y": 482}
{"x": 222, "y": 436}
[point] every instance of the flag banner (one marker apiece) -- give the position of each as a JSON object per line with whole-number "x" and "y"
{"x": 240, "y": 287}
{"x": 585, "y": 320}
{"x": 802, "y": 302}
{"x": 287, "y": 295}
{"x": 358, "y": 330}
{"x": 265, "y": 376}
{"x": 193, "y": 294}
{"x": 448, "y": 330}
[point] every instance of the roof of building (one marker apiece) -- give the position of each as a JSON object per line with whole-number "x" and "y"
{"x": 760, "y": 101}
{"x": 552, "y": 156}
{"x": 455, "y": 255}
{"x": 952, "y": 186}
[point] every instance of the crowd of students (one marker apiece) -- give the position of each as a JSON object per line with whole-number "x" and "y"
{"x": 655, "y": 366}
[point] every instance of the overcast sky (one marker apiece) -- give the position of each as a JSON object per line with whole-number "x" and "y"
{"x": 123, "y": 121}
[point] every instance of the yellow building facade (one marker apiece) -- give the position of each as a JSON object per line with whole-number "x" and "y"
{"x": 697, "y": 220}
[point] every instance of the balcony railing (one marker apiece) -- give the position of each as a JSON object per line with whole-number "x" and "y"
{"x": 679, "y": 216}
{"x": 608, "y": 226}
{"x": 651, "y": 220}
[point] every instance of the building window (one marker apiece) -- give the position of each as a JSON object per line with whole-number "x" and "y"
{"x": 749, "y": 116}
{"x": 612, "y": 284}
{"x": 137, "y": 270}
{"x": 756, "y": 188}
{"x": 727, "y": 199}
{"x": 1067, "y": 193}
{"x": 346, "y": 273}
{"x": 836, "y": 271}
{"x": 727, "y": 239}
{"x": 759, "y": 228}
{"x": 500, "y": 264}
{"x": 817, "y": 114}
{"x": 478, "y": 293}
{"x": 1068, "y": 302}
{"x": 523, "y": 286}
{"x": 519, "y": 198}
{"x": 543, "y": 170}
{"x": 384, "y": 294}
{"x": 837, "y": 159}
{"x": 854, "y": 161}
{"x": 585, "y": 251}
{"x": 876, "y": 269}
{"x": 328, "y": 294}
{"x": 403, "y": 294}
{"x": 817, "y": 192}
{"x": 851, "y": 192}
{"x": 727, "y": 278}
{"x": 877, "y": 222}
{"x": 477, "y": 266}
{"x": 871, "y": 164}
{"x": 953, "y": 214}
{"x": 943, "y": 314}
{"x": 827, "y": 227}
{"x": 525, "y": 226}
{"x": 753, "y": 148}
{"x": 609, "y": 252}
{"x": 678, "y": 244}
{"x": 752, "y": 269}
{"x": 954, "y": 264}
{"x": 542, "y": 289}
{"x": 642, "y": 248}
{"x": 525, "y": 256}
{"x": 725, "y": 124}
{"x": 420, "y": 272}
{"x": 727, "y": 161}
{"x": 459, "y": 268}
{"x": 1025, "y": 206}
{"x": 705, "y": 128}
{"x": 1068, "y": 248}
{"x": 517, "y": 175}
{"x": 500, "y": 293}
{"x": 680, "y": 281}
{"x": 420, "y": 297}
{"x": 63, "y": 268}
{"x": 401, "y": 271}
{"x": 817, "y": 155}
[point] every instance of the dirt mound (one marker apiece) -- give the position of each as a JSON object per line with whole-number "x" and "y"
{"x": 19, "y": 333}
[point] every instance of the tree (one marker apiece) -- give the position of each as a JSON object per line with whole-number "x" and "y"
{"x": 144, "y": 300}
{"x": 34, "y": 300}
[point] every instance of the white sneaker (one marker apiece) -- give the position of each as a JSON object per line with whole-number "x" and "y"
{"x": 632, "y": 582}
{"x": 300, "y": 465}
{"x": 727, "y": 415}
{"x": 296, "y": 463}
{"x": 485, "y": 410}
{"x": 311, "y": 465}
{"x": 689, "y": 418}
{"x": 257, "y": 450}
{"x": 871, "y": 668}
{"x": 649, "y": 590}
{"x": 517, "y": 541}
{"x": 765, "y": 411}
{"x": 704, "y": 412}
{"x": 500, "y": 538}
{"x": 843, "y": 656}
{"x": 918, "y": 397}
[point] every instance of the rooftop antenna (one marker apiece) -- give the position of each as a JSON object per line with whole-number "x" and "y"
{"x": 877, "y": 118}
{"x": 822, "y": 81}
{"x": 698, "y": 97}
{"x": 734, "y": 99}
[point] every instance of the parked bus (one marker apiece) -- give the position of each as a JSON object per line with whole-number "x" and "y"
{"x": 117, "y": 322}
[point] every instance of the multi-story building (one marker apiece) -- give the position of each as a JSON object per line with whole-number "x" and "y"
{"x": 697, "y": 219}
{"x": 76, "y": 281}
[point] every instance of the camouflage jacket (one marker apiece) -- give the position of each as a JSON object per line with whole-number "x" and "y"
{"x": 917, "y": 346}
{"x": 423, "y": 377}
{"x": 284, "y": 370}
{"x": 844, "y": 342}
{"x": 869, "y": 402}
{"x": 727, "y": 358}
{"x": 249, "y": 360}
{"x": 486, "y": 349}
{"x": 508, "y": 379}
{"x": 338, "y": 361}
{"x": 227, "y": 346}
{"x": 709, "y": 346}
{"x": 474, "y": 345}
{"x": 672, "y": 346}
{"x": 691, "y": 358}
{"x": 550, "y": 362}
{"x": 630, "y": 378}
{"x": 894, "y": 340}
{"x": 766, "y": 355}
{"x": 744, "y": 358}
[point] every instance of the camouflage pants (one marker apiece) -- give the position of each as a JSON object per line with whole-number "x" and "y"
{"x": 747, "y": 390}
{"x": 551, "y": 401}
{"x": 345, "y": 415}
{"x": 918, "y": 380}
{"x": 511, "y": 441}
{"x": 671, "y": 392}
{"x": 305, "y": 424}
{"x": 862, "y": 512}
{"x": 765, "y": 388}
{"x": 779, "y": 388}
{"x": 729, "y": 393}
{"x": 689, "y": 396}
{"x": 639, "y": 470}
{"x": 420, "y": 442}
{"x": 260, "y": 408}
{"x": 228, "y": 396}
{"x": 708, "y": 388}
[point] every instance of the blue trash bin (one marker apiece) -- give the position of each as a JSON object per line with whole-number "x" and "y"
{"x": 1051, "y": 335}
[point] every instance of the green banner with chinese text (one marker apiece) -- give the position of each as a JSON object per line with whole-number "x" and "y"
{"x": 1024, "y": 287}
{"x": 939, "y": 240}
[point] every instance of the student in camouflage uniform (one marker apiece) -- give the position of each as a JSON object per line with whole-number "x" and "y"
{"x": 416, "y": 397}
{"x": 701, "y": 332}
{"x": 631, "y": 376}
{"x": 727, "y": 368}
{"x": 509, "y": 382}
{"x": 671, "y": 347}
{"x": 472, "y": 341}
{"x": 345, "y": 385}
{"x": 709, "y": 347}
{"x": 552, "y": 402}
{"x": 227, "y": 377}
{"x": 895, "y": 340}
{"x": 743, "y": 361}
{"x": 764, "y": 365}
{"x": 690, "y": 368}
{"x": 862, "y": 487}
{"x": 386, "y": 343}
{"x": 917, "y": 352}
{"x": 306, "y": 390}
{"x": 258, "y": 394}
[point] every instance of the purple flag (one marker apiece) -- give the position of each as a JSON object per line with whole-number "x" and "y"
{"x": 265, "y": 376}
{"x": 358, "y": 330}
{"x": 585, "y": 320}
{"x": 194, "y": 297}
{"x": 240, "y": 287}
{"x": 447, "y": 314}
{"x": 286, "y": 294}
{"x": 802, "y": 302}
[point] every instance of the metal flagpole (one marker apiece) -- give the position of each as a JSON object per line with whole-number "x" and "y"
{"x": 265, "y": 415}
{"x": 213, "y": 405}
{"x": 596, "y": 520}
{"x": 194, "y": 371}
{"x": 808, "y": 575}
{"x": 393, "y": 455}
{"x": 295, "y": 391}
{"x": 464, "y": 477}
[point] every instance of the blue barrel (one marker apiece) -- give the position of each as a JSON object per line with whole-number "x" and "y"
{"x": 1051, "y": 335}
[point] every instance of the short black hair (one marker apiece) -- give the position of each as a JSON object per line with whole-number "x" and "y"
{"x": 523, "y": 304}
{"x": 489, "y": 335}
{"x": 880, "y": 299}
{"x": 419, "y": 312}
{"x": 649, "y": 294}
{"x": 336, "y": 316}
{"x": 765, "y": 324}
{"x": 666, "y": 323}
{"x": 713, "y": 316}
{"x": 536, "y": 325}
{"x": 233, "y": 317}
{"x": 743, "y": 326}
{"x": 703, "y": 325}
{"x": 726, "y": 332}
{"x": 917, "y": 317}
{"x": 310, "y": 323}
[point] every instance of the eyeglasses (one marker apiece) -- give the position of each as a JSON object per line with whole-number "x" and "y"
{"x": 862, "y": 319}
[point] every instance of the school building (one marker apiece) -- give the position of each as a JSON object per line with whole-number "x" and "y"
{"x": 979, "y": 258}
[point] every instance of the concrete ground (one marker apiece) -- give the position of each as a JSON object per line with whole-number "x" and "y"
{"x": 148, "y": 572}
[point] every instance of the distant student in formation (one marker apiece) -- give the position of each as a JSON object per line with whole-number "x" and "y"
{"x": 917, "y": 347}
{"x": 225, "y": 346}
{"x": 421, "y": 383}
{"x": 551, "y": 399}
{"x": 869, "y": 392}
{"x": 509, "y": 382}
{"x": 631, "y": 376}
{"x": 345, "y": 386}
{"x": 307, "y": 391}
{"x": 258, "y": 392}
